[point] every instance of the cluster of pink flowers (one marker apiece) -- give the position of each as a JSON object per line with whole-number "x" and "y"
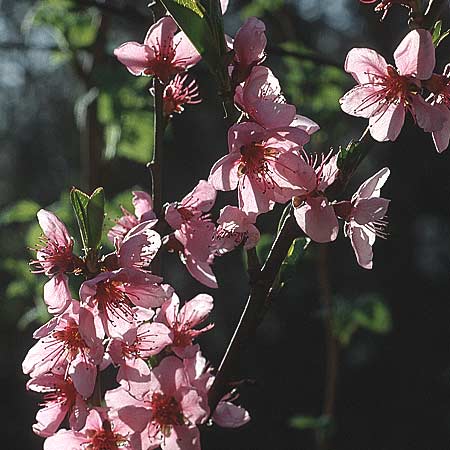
{"x": 129, "y": 318}
{"x": 384, "y": 93}
{"x": 126, "y": 316}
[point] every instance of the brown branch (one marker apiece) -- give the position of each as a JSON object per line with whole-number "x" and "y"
{"x": 254, "y": 310}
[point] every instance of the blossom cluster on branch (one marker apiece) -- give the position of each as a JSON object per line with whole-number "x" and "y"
{"x": 127, "y": 317}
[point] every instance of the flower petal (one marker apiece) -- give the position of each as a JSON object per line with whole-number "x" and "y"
{"x": 415, "y": 55}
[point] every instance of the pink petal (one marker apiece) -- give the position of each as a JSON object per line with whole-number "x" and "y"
{"x": 53, "y": 228}
{"x": 370, "y": 210}
{"x": 129, "y": 410}
{"x": 182, "y": 438}
{"x": 80, "y": 411}
{"x": 160, "y": 34}
{"x": 372, "y": 186}
{"x": 429, "y": 117}
{"x": 195, "y": 311}
{"x": 253, "y": 236}
{"x": 361, "y": 245}
{"x": 134, "y": 375}
{"x": 83, "y": 376}
{"x": 134, "y": 56}
{"x": 64, "y": 439}
{"x": 250, "y": 42}
{"x": 170, "y": 375}
{"x": 186, "y": 55}
{"x": 201, "y": 271}
{"x": 153, "y": 338}
{"x": 228, "y": 415}
{"x": 361, "y": 101}
{"x": 201, "y": 198}
{"x": 49, "y": 419}
{"x": 138, "y": 249}
{"x": 143, "y": 205}
{"x": 316, "y": 217}
{"x": 416, "y": 54}
{"x": 386, "y": 125}
{"x": 364, "y": 64}
{"x": 305, "y": 124}
{"x": 253, "y": 196}
{"x": 224, "y": 174}
{"x": 57, "y": 294}
{"x": 441, "y": 138}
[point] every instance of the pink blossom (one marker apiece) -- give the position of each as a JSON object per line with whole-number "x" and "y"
{"x": 194, "y": 231}
{"x": 182, "y": 322}
{"x": 313, "y": 212}
{"x": 131, "y": 351}
{"x": 60, "y": 400}
{"x": 439, "y": 86}
{"x": 99, "y": 433}
{"x": 180, "y": 91}
{"x": 164, "y": 52}
{"x": 261, "y": 99}
{"x": 67, "y": 345}
{"x": 139, "y": 246}
{"x": 249, "y": 45}
{"x": 385, "y": 93}
{"x": 364, "y": 217}
{"x": 226, "y": 414}
{"x": 168, "y": 413}
{"x": 264, "y": 165}
{"x": 55, "y": 258}
{"x": 143, "y": 211}
{"x": 111, "y": 297}
{"x": 235, "y": 227}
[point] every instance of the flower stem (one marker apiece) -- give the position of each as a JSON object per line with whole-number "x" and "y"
{"x": 156, "y": 166}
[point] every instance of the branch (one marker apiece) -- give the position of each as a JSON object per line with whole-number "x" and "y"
{"x": 253, "y": 312}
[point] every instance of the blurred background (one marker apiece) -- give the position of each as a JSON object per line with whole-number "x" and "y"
{"x": 66, "y": 105}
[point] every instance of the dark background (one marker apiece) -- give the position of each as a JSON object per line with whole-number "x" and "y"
{"x": 393, "y": 390}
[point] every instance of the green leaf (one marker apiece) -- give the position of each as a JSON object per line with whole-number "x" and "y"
{"x": 96, "y": 216}
{"x": 20, "y": 212}
{"x": 90, "y": 213}
{"x": 436, "y": 32}
{"x": 79, "y": 202}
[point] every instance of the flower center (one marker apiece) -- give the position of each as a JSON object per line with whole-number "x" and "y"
{"x": 64, "y": 394}
{"x": 105, "y": 439}
{"x": 162, "y": 64}
{"x": 53, "y": 258}
{"x": 71, "y": 337}
{"x": 166, "y": 411}
{"x": 113, "y": 301}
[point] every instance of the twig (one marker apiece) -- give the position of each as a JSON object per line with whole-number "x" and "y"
{"x": 332, "y": 344}
{"x": 253, "y": 312}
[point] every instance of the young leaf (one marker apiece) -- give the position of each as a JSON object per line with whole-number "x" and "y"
{"x": 79, "y": 202}
{"x": 90, "y": 212}
{"x": 96, "y": 215}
